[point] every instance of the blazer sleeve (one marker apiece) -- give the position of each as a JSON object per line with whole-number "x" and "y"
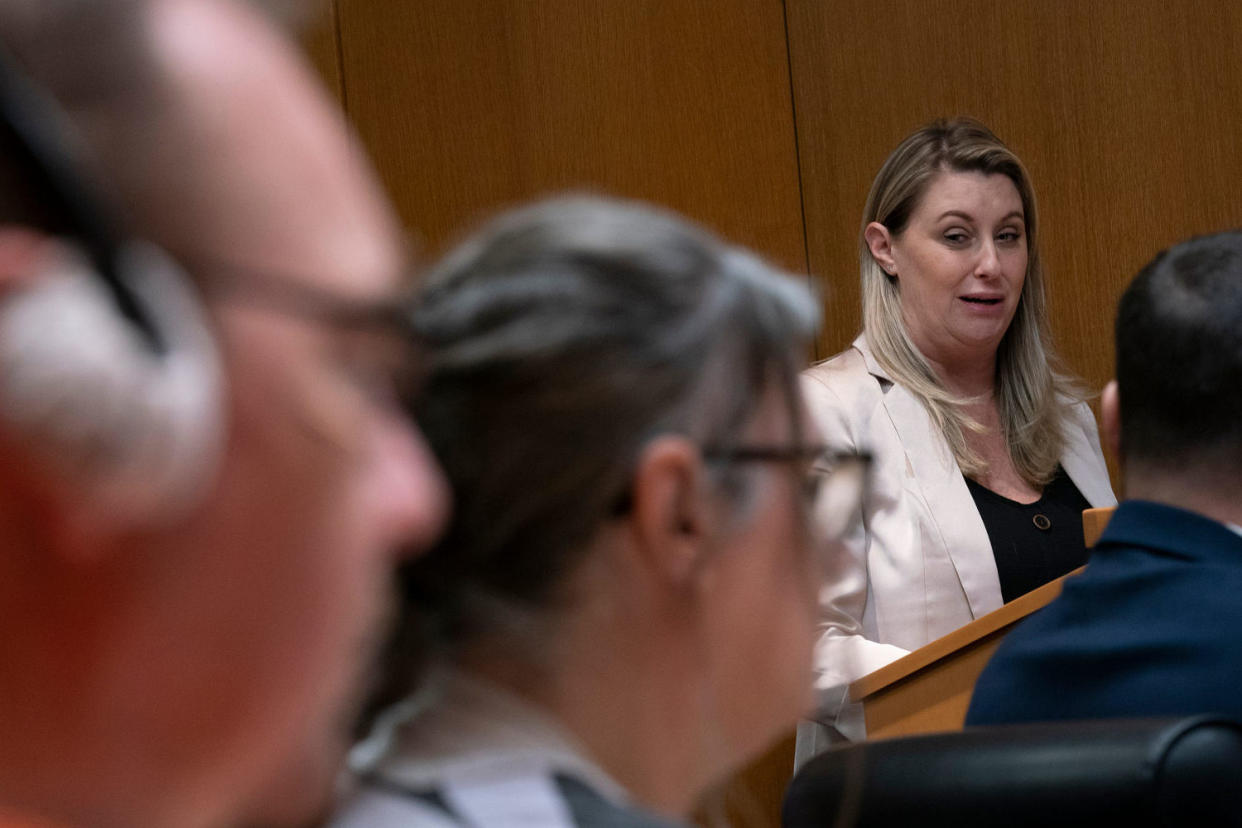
{"x": 843, "y": 653}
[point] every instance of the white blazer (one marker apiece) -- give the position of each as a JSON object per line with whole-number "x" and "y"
{"x": 920, "y": 564}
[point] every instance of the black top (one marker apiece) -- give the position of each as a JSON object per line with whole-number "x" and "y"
{"x": 1033, "y": 543}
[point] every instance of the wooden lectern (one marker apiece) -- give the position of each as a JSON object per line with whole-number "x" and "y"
{"x": 929, "y": 689}
{"x": 925, "y": 691}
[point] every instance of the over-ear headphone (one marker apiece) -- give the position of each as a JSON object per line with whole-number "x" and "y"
{"x": 108, "y": 372}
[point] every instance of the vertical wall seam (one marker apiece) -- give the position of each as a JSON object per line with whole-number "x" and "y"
{"x": 340, "y": 54}
{"x": 793, "y": 110}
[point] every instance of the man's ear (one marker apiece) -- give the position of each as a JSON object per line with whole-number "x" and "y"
{"x": 669, "y": 515}
{"x": 21, "y": 251}
{"x": 880, "y": 242}
{"x": 1110, "y": 416}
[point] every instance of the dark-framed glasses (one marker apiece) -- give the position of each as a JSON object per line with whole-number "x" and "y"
{"x": 378, "y": 343}
{"x": 833, "y": 481}
{"x": 290, "y": 295}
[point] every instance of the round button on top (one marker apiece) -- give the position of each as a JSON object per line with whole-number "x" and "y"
{"x": 1041, "y": 522}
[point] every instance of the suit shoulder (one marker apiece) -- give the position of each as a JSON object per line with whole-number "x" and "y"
{"x": 841, "y": 393}
{"x": 845, "y": 376}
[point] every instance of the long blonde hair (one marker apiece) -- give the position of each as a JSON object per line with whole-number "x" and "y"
{"x": 1031, "y": 394}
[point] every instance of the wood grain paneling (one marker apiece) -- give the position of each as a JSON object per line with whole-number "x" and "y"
{"x": 1125, "y": 112}
{"x": 471, "y": 105}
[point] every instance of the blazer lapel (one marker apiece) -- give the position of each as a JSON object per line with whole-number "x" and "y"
{"x": 933, "y": 475}
{"x": 1081, "y": 461}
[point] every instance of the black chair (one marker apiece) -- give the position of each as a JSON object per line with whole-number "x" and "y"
{"x": 1140, "y": 772}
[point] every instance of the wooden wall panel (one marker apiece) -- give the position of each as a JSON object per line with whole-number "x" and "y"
{"x": 1125, "y": 112}
{"x": 470, "y": 105}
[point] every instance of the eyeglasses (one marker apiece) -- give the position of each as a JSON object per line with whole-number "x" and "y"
{"x": 380, "y": 344}
{"x": 833, "y": 485}
{"x": 293, "y": 296}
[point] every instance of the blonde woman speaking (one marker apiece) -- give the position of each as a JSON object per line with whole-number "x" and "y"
{"x": 984, "y": 454}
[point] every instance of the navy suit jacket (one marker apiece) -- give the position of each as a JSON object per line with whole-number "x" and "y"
{"x": 1152, "y": 627}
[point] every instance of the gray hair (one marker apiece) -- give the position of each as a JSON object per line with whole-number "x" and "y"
{"x": 562, "y": 338}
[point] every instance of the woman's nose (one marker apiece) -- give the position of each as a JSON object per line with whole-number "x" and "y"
{"x": 988, "y": 263}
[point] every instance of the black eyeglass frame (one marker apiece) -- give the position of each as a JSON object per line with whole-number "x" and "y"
{"x": 395, "y": 380}
{"x": 783, "y": 454}
{"x": 763, "y": 454}
{"x": 286, "y": 294}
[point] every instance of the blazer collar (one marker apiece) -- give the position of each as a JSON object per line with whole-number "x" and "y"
{"x": 1080, "y": 457}
{"x": 873, "y": 366}
{"x": 933, "y": 476}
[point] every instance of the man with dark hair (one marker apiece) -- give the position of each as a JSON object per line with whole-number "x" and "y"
{"x": 205, "y": 479}
{"x": 1152, "y": 626}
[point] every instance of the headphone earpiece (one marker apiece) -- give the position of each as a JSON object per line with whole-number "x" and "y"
{"x": 139, "y": 432}
{"x": 108, "y": 373}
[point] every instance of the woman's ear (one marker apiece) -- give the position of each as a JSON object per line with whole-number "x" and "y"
{"x": 669, "y": 514}
{"x": 880, "y": 242}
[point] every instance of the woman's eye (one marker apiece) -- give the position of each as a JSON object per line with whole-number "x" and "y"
{"x": 1009, "y": 236}
{"x": 955, "y": 237}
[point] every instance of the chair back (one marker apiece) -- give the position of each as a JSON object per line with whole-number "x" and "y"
{"x": 1093, "y": 523}
{"x": 1140, "y": 772}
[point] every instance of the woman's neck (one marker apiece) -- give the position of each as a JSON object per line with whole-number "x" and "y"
{"x": 972, "y": 376}
{"x": 633, "y": 715}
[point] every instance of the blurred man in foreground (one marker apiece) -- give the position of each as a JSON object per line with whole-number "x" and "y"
{"x": 1152, "y": 626}
{"x": 203, "y": 484}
